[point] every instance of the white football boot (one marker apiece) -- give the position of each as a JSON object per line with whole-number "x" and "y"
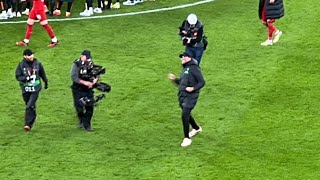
{"x": 267, "y": 43}
{"x": 277, "y": 36}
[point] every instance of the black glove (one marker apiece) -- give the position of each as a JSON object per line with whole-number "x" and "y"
{"x": 46, "y": 85}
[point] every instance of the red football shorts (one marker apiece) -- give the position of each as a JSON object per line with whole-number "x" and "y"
{"x": 37, "y": 15}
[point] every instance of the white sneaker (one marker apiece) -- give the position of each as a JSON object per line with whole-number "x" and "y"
{"x": 90, "y": 11}
{"x": 18, "y": 14}
{"x": 193, "y": 132}
{"x": 115, "y": 5}
{"x": 9, "y": 13}
{"x": 3, "y": 15}
{"x": 138, "y": 1}
{"x": 97, "y": 10}
{"x": 267, "y": 43}
{"x": 26, "y": 12}
{"x": 85, "y": 13}
{"x": 186, "y": 142}
{"x": 277, "y": 36}
{"x": 129, "y": 3}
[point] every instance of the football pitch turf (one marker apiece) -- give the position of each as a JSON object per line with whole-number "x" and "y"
{"x": 259, "y": 109}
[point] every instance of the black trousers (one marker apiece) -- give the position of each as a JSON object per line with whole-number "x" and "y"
{"x": 30, "y": 100}
{"x": 187, "y": 104}
{"x": 84, "y": 113}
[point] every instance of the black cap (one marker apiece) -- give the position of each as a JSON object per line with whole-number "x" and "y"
{"x": 185, "y": 54}
{"x": 86, "y": 53}
{"x": 27, "y": 52}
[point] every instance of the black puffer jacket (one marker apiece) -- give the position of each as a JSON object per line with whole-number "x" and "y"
{"x": 273, "y": 11}
{"x": 190, "y": 76}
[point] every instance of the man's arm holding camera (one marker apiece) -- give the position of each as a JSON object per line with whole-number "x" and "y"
{"x": 196, "y": 38}
{"x": 182, "y": 31}
{"x": 75, "y": 77}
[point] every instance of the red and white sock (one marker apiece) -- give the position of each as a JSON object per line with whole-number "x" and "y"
{"x": 271, "y": 30}
{"x": 54, "y": 40}
{"x": 28, "y": 33}
{"x": 49, "y": 31}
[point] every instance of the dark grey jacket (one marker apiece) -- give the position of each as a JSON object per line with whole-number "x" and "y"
{"x": 76, "y": 77}
{"x": 273, "y": 11}
{"x": 34, "y": 70}
{"x": 196, "y": 35}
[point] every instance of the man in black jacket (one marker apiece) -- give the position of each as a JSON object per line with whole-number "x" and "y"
{"x": 189, "y": 84}
{"x": 28, "y": 73}
{"x": 192, "y": 36}
{"x": 82, "y": 89}
{"x": 269, "y": 11}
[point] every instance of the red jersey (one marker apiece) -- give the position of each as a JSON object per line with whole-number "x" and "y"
{"x": 38, "y": 5}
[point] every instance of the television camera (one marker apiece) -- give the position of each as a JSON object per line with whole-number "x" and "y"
{"x": 92, "y": 71}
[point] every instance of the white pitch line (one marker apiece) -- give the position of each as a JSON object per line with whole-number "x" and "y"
{"x": 118, "y": 15}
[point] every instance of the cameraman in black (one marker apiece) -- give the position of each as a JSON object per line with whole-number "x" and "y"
{"x": 192, "y": 36}
{"x": 82, "y": 87}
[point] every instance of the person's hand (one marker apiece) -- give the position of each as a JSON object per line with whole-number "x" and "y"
{"x": 271, "y": 1}
{"x": 189, "y": 40}
{"x": 88, "y": 84}
{"x": 46, "y": 85}
{"x": 95, "y": 81}
{"x": 172, "y": 77}
{"x": 189, "y": 89}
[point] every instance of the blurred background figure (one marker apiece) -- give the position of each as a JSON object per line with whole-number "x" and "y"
{"x": 132, "y": 2}
{"x": 269, "y": 11}
{"x": 57, "y": 12}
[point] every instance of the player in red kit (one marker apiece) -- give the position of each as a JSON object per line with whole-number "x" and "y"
{"x": 38, "y": 13}
{"x": 269, "y": 11}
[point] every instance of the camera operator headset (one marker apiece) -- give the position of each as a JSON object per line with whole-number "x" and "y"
{"x": 82, "y": 87}
{"x": 192, "y": 36}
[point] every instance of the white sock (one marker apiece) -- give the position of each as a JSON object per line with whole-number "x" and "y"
{"x": 54, "y": 39}
{"x": 277, "y": 32}
{"x": 26, "y": 41}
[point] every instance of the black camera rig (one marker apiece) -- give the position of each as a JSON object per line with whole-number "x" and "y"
{"x": 187, "y": 33}
{"x": 94, "y": 71}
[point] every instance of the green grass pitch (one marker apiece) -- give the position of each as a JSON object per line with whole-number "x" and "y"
{"x": 259, "y": 109}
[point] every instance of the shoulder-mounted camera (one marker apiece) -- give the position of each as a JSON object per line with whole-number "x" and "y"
{"x": 90, "y": 71}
